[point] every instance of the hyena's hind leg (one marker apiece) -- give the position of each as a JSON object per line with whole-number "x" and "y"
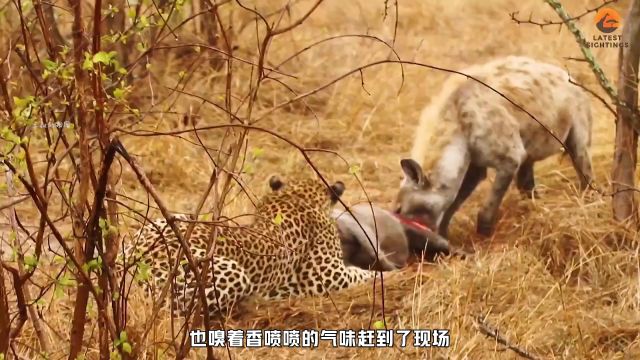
{"x": 577, "y": 144}
{"x": 578, "y": 140}
{"x": 525, "y": 180}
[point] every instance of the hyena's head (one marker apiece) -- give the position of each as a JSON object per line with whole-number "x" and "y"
{"x": 417, "y": 199}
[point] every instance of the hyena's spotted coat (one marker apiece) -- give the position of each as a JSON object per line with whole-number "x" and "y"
{"x": 468, "y": 128}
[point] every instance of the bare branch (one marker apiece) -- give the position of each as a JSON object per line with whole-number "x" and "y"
{"x": 495, "y": 334}
{"x": 544, "y": 23}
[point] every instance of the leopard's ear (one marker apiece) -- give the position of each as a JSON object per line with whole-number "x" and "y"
{"x": 275, "y": 183}
{"x": 337, "y": 190}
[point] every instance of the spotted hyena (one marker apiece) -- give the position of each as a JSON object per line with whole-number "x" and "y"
{"x": 468, "y": 128}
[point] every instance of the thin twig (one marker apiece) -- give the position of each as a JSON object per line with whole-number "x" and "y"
{"x": 595, "y": 95}
{"x": 544, "y": 23}
{"x": 21, "y": 285}
{"x": 495, "y": 334}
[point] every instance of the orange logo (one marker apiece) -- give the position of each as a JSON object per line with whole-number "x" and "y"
{"x": 608, "y": 20}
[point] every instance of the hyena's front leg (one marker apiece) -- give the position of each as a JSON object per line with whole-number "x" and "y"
{"x": 489, "y": 213}
{"x": 525, "y": 181}
{"x": 472, "y": 178}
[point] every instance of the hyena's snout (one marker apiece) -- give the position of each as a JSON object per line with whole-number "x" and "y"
{"x": 414, "y": 207}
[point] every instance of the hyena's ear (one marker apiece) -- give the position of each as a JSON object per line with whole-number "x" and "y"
{"x": 336, "y": 190}
{"x": 275, "y": 183}
{"x": 413, "y": 173}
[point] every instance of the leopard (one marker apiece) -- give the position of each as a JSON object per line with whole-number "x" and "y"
{"x": 290, "y": 249}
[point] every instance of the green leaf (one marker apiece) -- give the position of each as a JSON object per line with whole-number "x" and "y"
{"x": 257, "y": 152}
{"x": 142, "y": 272}
{"x": 123, "y": 336}
{"x": 378, "y": 324}
{"x": 93, "y": 264}
{"x": 107, "y": 39}
{"x": 102, "y": 57}
{"x": 40, "y": 303}
{"x": 65, "y": 50}
{"x": 87, "y": 64}
{"x": 143, "y": 22}
{"x": 50, "y": 65}
{"x": 248, "y": 168}
{"x": 102, "y": 223}
{"x": 114, "y": 62}
{"x": 31, "y": 261}
{"x": 354, "y": 169}
{"x": 22, "y": 103}
{"x": 119, "y": 93}
{"x": 278, "y": 219}
{"x": 126, "y": 347}
{"x": 58, "y": 293}
{"x": 66, "y": 281}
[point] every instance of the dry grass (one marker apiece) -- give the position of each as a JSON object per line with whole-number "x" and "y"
{"x": 559, "y": 278}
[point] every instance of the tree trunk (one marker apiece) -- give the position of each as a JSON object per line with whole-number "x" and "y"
{"x": 80, "y": 198}
{"x": 626, "y": 146}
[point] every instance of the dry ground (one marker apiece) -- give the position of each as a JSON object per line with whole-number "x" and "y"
{"x": 559, "y": 278}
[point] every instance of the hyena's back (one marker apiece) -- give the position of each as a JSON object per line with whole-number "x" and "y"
{"x": 492, "y": 126}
